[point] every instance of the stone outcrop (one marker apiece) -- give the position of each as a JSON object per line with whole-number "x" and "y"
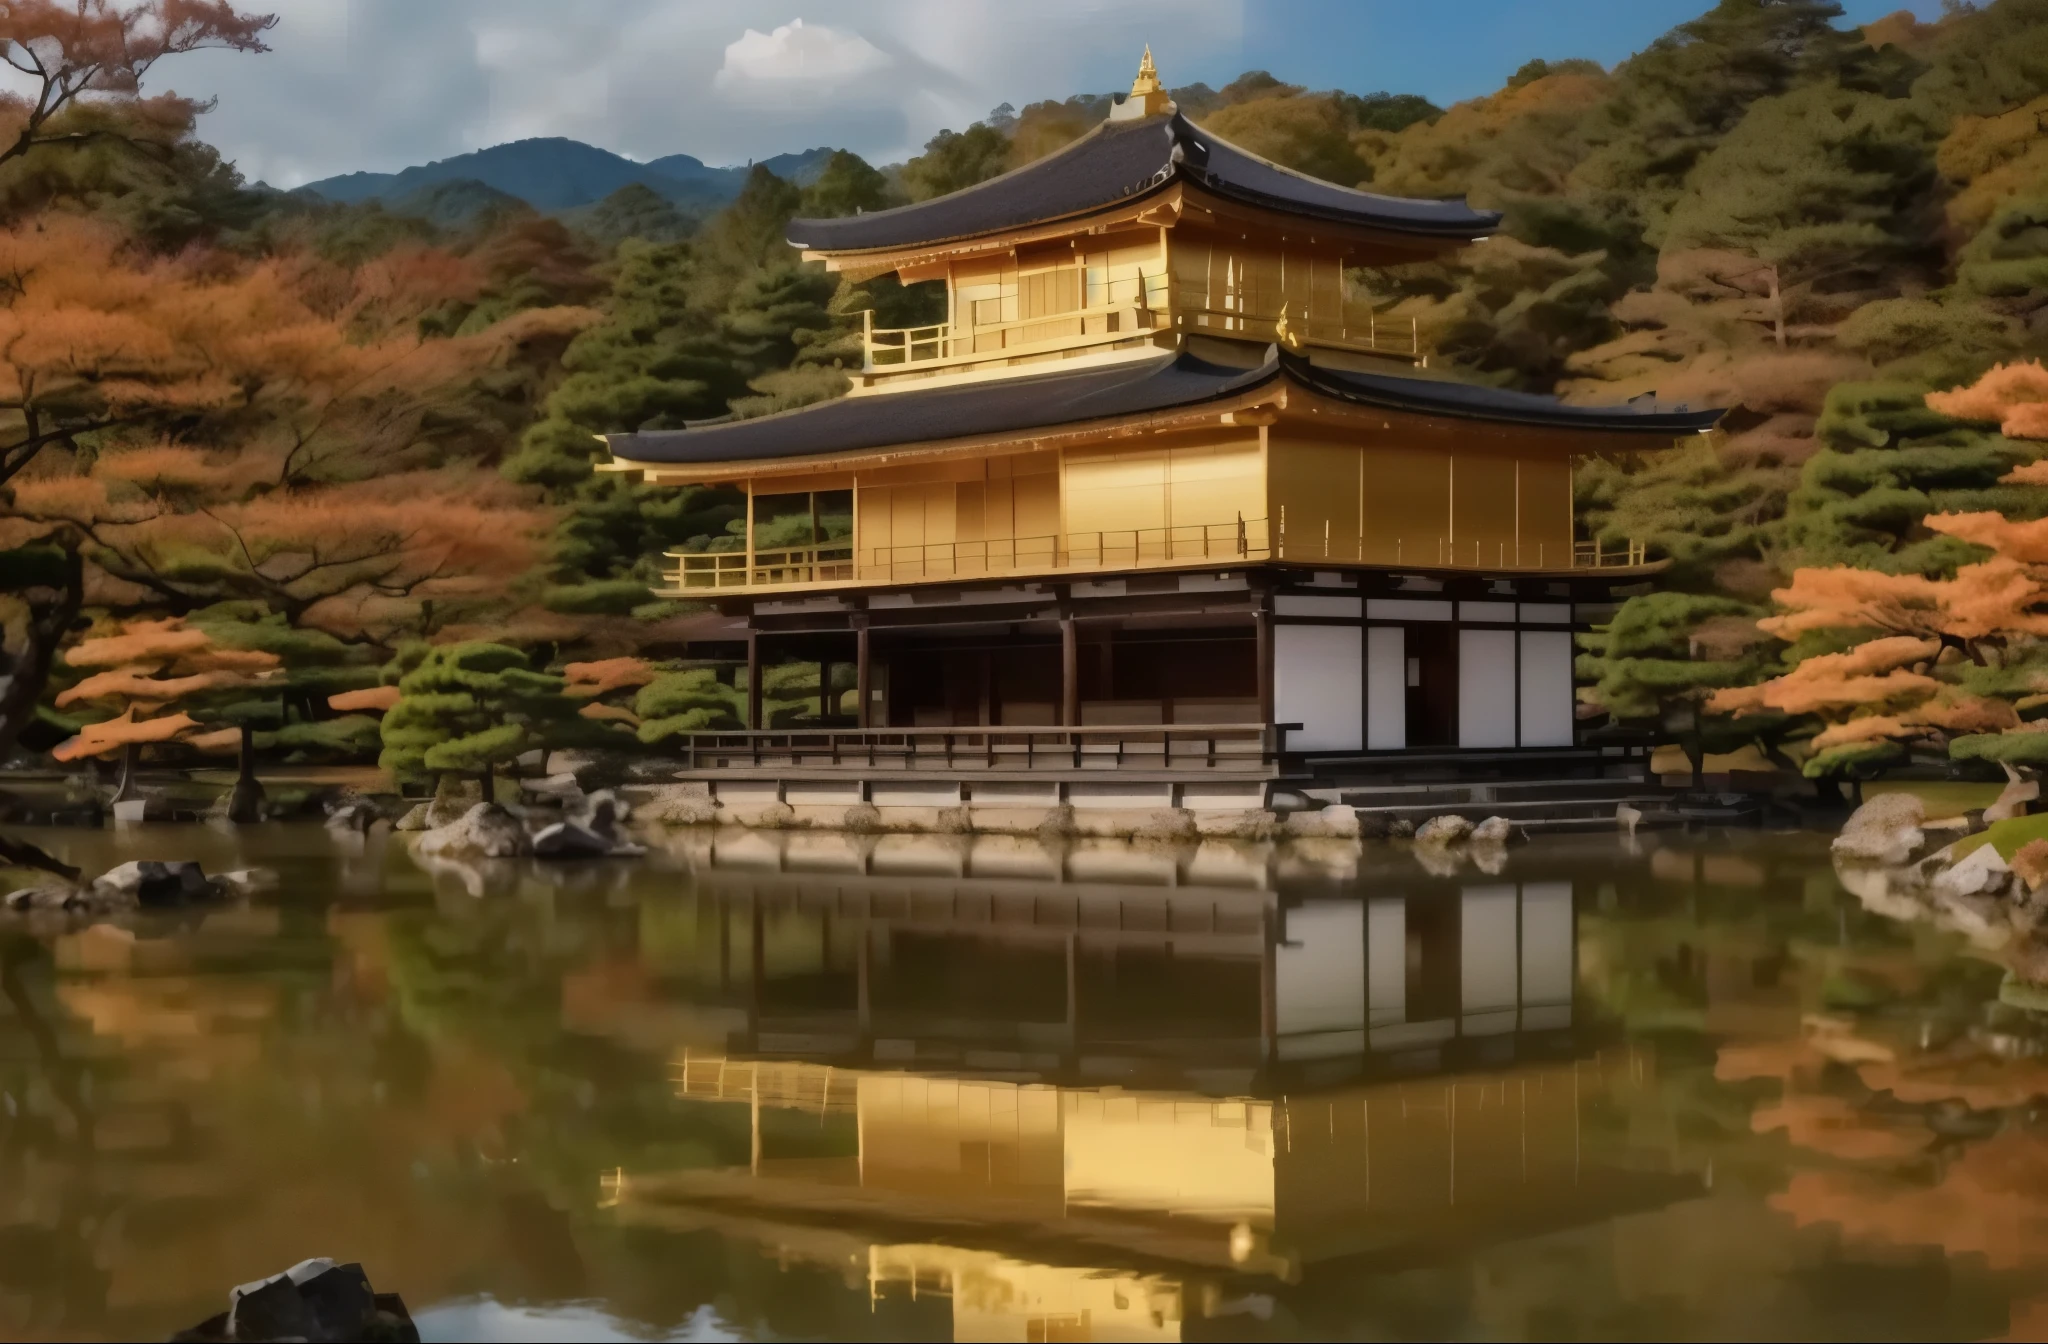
{"x": 567, "y": 840}
{"x": 315, "y": 1300}
{"x": 1442, "y": 832}
{"x": 485, "y": 831}
{"x": 141, "y": 884}
{"x": 1494, "y": 831}
{"x": 1885, "y": 830}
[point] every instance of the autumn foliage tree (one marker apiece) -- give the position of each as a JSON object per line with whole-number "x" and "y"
{"x": 1955, "y": 663}
{"x": 83, "y": 63}
{"x": 146, "y": 668}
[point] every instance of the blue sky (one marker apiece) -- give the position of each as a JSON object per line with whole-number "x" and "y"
{"x": 1453, "y": 49}
{"x": 383, "y": 84}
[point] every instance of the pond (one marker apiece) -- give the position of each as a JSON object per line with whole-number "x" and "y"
{"x": 809, "y": 1086}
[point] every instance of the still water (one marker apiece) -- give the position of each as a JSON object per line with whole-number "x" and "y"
{"x": 933, "y": 1088}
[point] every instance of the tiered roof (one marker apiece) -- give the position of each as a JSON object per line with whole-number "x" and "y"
{"x": 1107, "y": 393}
{"x": 1121, "y": 162}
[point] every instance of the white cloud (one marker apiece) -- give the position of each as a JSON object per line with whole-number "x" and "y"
{"x": 381, "y": 84}
{"x": 814, "y": 63}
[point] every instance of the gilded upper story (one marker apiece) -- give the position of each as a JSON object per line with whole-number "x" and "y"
{"x": 1143, "y": 231}
{"x": 1171, "y": 459}
{"x": 1149, "y": 358}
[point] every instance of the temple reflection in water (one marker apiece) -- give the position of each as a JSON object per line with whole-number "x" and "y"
{"x": 1108, "y": 1092}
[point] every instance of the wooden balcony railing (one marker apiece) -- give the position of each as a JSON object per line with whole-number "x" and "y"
{"x": 1130, "y": 548}
{"x": 842, "y": 562}
{"x": 1247, "y": 748}
{"x": 1364, "y": 333}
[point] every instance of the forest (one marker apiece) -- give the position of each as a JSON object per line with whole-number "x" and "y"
{"x": 314, "y": 480}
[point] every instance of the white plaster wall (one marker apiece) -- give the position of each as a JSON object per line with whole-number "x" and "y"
{"x": 1486, "y": 688}
{"x": 1546, "y": 688}
{"x": 1317, "y": 678}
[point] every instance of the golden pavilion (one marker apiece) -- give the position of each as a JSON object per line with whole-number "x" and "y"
{"x": 1159, "y": 482}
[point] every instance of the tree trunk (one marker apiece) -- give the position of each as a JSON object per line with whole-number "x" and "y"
{"x": 1778, "y": 308}
{"x": 125, "y": 789}
{"x": 490, "y": 781}
{"x": 22, "y": 689}
{"x": 245, "y": 802}
{"x": 1696, "y": 756}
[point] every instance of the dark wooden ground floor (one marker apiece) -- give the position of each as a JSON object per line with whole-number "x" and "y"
{"x": 1357, "y": 661}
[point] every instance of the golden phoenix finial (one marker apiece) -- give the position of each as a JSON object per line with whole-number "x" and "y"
{"x": 1148, "y": 75}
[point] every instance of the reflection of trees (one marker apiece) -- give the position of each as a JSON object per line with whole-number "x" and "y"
{"x": 50, "y": 1272}
{"x": 1879, "y": 1092}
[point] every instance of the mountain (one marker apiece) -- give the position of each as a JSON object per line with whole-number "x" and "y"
{"x": 802, "y": 168}
{"x": 560, "y": 174}
{"x": 453, "y": 204}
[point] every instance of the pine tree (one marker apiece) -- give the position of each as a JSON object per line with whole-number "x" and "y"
{"x": 472, "y": 708}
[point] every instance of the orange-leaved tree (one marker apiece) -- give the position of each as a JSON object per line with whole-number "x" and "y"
{"x": 79, "y": 67}
{"x": 148, "y": 667}
{"x": 1956, "y": 663}
{"x": 603, "y": 683}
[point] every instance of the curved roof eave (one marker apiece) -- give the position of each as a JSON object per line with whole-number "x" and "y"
{"x": 1118, "y": 162}
{"x": 1466, "y": 401}
{"x": 1059, "y": 401}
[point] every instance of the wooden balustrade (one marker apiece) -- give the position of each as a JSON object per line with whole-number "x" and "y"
{"x": 1128, "y": 548}
{"x": 1242, "y": 747}
{"x": 1364, "y": 332}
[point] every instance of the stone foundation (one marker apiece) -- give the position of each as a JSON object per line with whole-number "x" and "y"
{"x": 1110, "y": 810}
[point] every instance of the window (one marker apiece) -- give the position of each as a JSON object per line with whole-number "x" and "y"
{"x": 807, "y": 518}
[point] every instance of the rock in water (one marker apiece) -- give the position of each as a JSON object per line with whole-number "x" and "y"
{"x": 1983, "y": 869}
{"x": 1627, "y": 818}
{"x": 1493, "y": 831}
{"x": 420, "y": 818}
{"x": 567, "y": 840}
{"x": 246, "y": 882}
{"x": 1884, "y": 830}
{"x": 356, "y": 814}
{"x": 314, "y": 1300}
{"x": 151, "y": 884}
{"x": 1444, "y": 831}
{"x": 485, "y": 831}
{"x": 51, "y": 895}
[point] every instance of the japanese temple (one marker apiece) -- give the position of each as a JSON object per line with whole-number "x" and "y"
{"x": 1159, "y": 494}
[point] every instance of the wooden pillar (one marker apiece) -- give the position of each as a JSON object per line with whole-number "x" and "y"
{"x": 753, "y": 679}
{"x": 1263, "y": 623}
{"x": 862, "y": 686}
{"x": 1070, "y": 675}
{"x": 824, "y": 690}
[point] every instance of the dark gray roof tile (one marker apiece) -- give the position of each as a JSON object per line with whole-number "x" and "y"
{"x": 1121, "y": 160}
{"x": 910, "y": 417}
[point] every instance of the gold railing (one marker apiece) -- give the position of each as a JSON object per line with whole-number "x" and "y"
{"x": 1129, "y": 548}
{"x": 827, "y": 562}
{"x": 1366, "y": 332}
{"x": 841, "y": 561}
{"x": 891, "y": 348}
